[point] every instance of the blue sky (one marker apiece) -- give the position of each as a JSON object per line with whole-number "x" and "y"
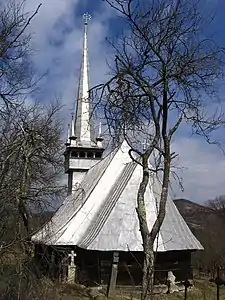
{"x": 57, "y": 39}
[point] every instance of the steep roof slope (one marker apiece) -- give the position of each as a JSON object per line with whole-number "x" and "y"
{"x": 101, "y": 214}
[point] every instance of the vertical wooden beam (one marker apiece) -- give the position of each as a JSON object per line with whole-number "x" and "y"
{"x": 186, "y": 286}
{"x": 98, "y": 269}
{"x": 52, "y": 264}
{"x": 63, "y": 269}
{"x": 113, "y": 275}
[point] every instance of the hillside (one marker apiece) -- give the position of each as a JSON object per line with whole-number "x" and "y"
{"x": 197, "y": 216}
{"x": 208, "y": 226}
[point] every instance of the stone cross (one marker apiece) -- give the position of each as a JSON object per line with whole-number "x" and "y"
{"x": 72, "y": 255}
{"x": 72, "y": 268}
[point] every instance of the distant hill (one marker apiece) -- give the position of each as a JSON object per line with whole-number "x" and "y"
{"x": 181, "y": 202}
{"x": 209, "y": 227}
{"x": 197, "y": 216}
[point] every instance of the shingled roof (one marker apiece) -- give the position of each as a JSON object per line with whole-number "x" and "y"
{"x": 101, "y": 214}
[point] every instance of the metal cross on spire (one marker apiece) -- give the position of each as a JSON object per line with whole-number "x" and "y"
{"x": 86, "y": 18}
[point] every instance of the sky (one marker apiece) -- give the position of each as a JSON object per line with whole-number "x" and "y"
{"x": 57, "y": 33}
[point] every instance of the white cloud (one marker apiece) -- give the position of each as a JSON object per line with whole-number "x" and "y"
{"x": 203, "y": 169}
{"x": 57, "y": 39}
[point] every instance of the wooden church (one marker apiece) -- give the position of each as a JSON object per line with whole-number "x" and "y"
{"x": 96, "y": 227}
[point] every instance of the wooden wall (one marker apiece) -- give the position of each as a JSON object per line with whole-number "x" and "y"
{"x": 94, "y": 267}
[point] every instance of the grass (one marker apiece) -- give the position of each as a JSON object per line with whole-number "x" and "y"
{"x": 202, "y": 290}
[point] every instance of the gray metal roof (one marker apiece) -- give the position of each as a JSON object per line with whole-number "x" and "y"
{"x": 84, "y": 130}
{"x": 101, "y": 214}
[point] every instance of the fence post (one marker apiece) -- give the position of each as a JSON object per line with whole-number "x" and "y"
{"x": 186, "y": 286}
{"x": 217, "y": 281}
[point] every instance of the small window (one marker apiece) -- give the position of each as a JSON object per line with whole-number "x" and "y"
{"x": 90, "y": 154}
{"x": 82, "y": 154}
{"x": 74, "y": 154}
{"x": 98, "y": 155}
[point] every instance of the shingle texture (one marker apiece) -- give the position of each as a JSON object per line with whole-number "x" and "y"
{"x": 101, "y": 214}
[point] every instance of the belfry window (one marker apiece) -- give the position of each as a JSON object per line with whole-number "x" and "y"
{"x": 74, "y": 154}
{"x": 90, "y": 154}
{"x": 82, "y": 154}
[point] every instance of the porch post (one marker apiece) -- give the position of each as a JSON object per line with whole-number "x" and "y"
{"x": 113, "y": 276}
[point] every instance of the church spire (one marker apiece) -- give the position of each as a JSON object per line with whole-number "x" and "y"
{"x": 82, "y": 150}
{"x": 83, "y": 125}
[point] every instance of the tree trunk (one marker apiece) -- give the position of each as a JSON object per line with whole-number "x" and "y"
{"x": 149, "y": 257}
{"x": 149, "y": 237}
{"x": 148, "y": 270}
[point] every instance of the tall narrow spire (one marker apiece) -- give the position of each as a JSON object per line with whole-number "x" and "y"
{"x": 82, "y": 150}
{"x": 83, "y": 125}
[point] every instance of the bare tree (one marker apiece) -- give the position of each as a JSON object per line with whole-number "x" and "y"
{"x": 31, "y": 165}
{"x": 17, "y": 76}
{"x": 25, "y": 131}
{"x": 31, "y": 161}
{"x": 218, "y": 204}
{"x": 31, "y": 153}
{"x": 165, "y": 73}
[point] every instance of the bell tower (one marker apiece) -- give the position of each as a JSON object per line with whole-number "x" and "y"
{"x": 82, "y": 149}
